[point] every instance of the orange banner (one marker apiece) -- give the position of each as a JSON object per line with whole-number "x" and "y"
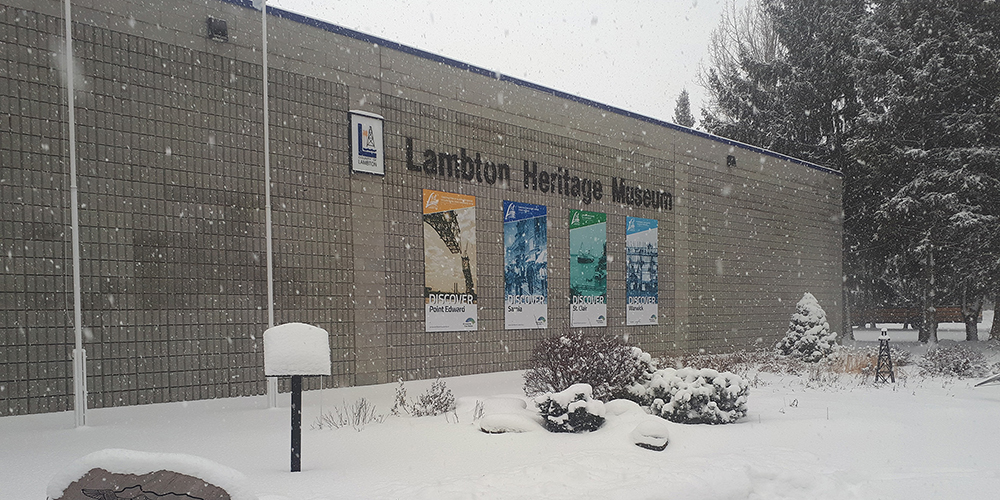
{"x": 439, "y": 201}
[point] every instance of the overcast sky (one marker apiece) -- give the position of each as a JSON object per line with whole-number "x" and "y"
{"x": 637, "y": 55}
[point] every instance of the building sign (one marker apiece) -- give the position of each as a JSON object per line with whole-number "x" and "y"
{"x": 588, "y": 268}
{"x": 641, "y": 278}
{"x": 367, "y": 147}
{"x": 449, "y": 262}
{"x": 553, "y": 181}
{"x": 525, "y": 243}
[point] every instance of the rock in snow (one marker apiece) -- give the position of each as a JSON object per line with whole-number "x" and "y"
{"x": 617, "y": 407}
{"x": 138, "y": 463}
{"x": 497, "y": 405}
{"x": 508, "y": 414}
{"x": 651, "y": 434}
{"x": 508, "y": 422}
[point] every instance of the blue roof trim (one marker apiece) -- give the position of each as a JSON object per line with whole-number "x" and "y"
{"x": 381, "y": 42}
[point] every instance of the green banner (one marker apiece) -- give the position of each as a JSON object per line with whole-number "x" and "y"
{"x": 588, "y": 268}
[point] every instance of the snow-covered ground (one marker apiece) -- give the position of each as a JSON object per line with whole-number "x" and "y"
{"x": 946, "y": 331}
{"x": 804, "y": 437}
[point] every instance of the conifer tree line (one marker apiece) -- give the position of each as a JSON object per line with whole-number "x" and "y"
{"x": 903, "y": 97}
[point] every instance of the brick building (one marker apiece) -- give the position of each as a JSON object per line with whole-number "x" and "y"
{"x": 172, "y": 211}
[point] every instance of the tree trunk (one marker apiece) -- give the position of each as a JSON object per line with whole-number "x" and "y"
{"x": 971, "y": 328}
{"x": 995, "y": 329}
{"x": 970, "y": 314}
{"x": 848, "y": 324}
{"x": 928, "y": 323}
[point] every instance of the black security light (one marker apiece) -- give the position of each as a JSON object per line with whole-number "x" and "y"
{"x": 218, "y": 30}
{"x": 731, "y": 161}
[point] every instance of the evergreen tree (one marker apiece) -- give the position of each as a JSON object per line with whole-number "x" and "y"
{"x": 682, "y": 111}
{"x": 821, "y": 37}
{"x": 808, "y": 336}
{"x": 929, "y": 88}
{"x": 781, "y": 78}
{"x": 903, "y": 98}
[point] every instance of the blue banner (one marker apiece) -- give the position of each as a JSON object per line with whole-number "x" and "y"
{"x": 642, "y": 290}
{"x": 526, "y": 285}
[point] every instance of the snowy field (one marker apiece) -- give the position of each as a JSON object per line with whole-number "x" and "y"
{"x": 805, "y": 437}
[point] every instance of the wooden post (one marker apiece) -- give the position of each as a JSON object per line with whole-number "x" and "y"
{"x": 296, "y": 423}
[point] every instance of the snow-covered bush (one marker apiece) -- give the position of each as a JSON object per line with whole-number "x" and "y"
{"x": 571, "y": 410}
{"x": 696, "y": 396}
{"x": 356, "y": 416}
{"x": 436, "y": 401}
{"x": 809, "y": 336}
{"x": 602, "y": 361}
{"x": 953, "y": 361}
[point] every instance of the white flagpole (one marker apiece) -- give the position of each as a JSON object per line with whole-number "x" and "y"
{"x": 272, "y": 382}
{"x": 79, "y": 354}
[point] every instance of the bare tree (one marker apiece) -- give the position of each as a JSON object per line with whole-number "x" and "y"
{"x": 744, "y": 41}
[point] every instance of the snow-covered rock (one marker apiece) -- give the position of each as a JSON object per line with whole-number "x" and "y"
{"x": 499, "y": 423}
{"x": 618, "y": 407}
{"x": 497, "y": 405}
{"x": 120, "y": 462}
{"x": 504, "y": 414}
{"x": 651, "y": 433}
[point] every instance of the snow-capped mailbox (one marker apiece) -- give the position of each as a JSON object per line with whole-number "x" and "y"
{"x": 296, "y": 350}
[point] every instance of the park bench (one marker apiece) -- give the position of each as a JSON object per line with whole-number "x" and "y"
{"x": 908, "y": 315}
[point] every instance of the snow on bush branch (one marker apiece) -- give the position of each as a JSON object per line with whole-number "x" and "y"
{"x": 605, "y": 363}
{"x": 437, "y": 400}
{"x": 696, "y": 396}
{"x": 571, "y": 375}
{"x": 571, "y": 410}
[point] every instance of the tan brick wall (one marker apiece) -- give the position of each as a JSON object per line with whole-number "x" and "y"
{"x": 172, "y": 208}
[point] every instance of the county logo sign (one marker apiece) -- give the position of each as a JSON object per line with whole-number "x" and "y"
{"x": 432, "y": 201}
{"x": 511, "y": 213}
{"x": 367, "y": 147}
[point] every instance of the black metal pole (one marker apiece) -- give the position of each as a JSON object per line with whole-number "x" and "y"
{"x": 296, "y": 423}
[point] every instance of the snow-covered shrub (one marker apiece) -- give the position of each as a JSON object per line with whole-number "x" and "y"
{"x": 747, "y": 363}
{"x": 809, "y": 336}
{"x": 859, "y": 360}
{"x": 953, "y": 361}
{"x": 900, "y": 357}
{"x": 696, "y": 396}
{"x": 571, "y": 410}
{"x": 602, "y": 361}
{"x": 436, "y": 401}
{"x": 356, "y": 416}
